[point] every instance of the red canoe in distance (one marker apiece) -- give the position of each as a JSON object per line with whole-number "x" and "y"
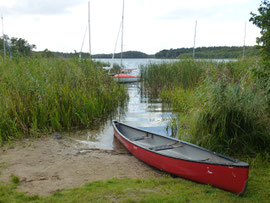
{"x": 125, "y": 78}
{"x": 184, "y": 159}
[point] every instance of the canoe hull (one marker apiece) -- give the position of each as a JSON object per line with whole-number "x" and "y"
{"x": 230, "y": 178}
{"x": 126, "y": 78}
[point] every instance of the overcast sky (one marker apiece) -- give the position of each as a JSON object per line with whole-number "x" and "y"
{"x": 149, "y": 25}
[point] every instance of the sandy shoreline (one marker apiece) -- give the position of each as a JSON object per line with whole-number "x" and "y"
{"x": 45, "y": 165}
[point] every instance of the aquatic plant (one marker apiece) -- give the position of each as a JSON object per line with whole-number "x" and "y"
{"x": 221, "y": 106}
{"x": 183, "y": 73}
{"x": 40, "y": 95}
{"x": 233, "y": 118}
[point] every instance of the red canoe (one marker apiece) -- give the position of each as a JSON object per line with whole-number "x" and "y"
{"x": 184, "y": 159}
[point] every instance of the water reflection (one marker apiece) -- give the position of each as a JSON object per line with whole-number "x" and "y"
{"x": 144, "y": 111}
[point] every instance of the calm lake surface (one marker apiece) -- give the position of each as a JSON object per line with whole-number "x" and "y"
{"x": 141, "y": 111}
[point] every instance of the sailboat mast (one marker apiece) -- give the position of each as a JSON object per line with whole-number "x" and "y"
{"x": 194, "y": 39}
{"x": 122, "y": 39}
{"x": 89, "y": 30}
{"x": 4, "y": 44}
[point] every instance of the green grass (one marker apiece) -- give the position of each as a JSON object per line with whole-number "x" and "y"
{"x": 164, "y": 189}
{"x": 15, "y": 179}
{"x": 40, "y": 95}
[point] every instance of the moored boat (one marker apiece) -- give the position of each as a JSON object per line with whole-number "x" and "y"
{"x": 184, "y": 159}
{"x": 126, "y": 78}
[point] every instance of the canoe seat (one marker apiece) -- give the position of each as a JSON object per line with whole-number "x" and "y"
{"x": 206, "y": 159}
{"x": 138, "y": 138}
{"x": 167, "y": 146}
{"x": 162, "y": 147}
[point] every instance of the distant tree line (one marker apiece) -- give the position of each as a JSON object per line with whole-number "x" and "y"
{"x": 48, "y": 54}
{"x": 209, "y": 52}
{"x": 200, "y": 52}
{"x": 20, "y": 47}
{"x": 127, "y": 54}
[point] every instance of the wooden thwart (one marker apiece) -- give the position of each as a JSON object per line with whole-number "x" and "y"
{"x": 167, "y": 146}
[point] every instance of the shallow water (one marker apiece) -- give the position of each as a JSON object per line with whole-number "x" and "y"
{"x": 141, "y": 111}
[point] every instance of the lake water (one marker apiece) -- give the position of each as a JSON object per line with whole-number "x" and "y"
{"x": 135, "y": 63}
{"x": 141, "y": 111}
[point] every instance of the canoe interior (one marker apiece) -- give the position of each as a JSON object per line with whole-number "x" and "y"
{"x": 172, "y": 147}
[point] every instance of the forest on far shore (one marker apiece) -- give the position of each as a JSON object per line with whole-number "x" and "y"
{"x": 209, "y": 52}
{"x": 20, "y": 47}
{"x": 223, "y": 52}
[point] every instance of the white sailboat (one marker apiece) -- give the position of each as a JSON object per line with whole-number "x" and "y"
{"x": 124, "y": 76}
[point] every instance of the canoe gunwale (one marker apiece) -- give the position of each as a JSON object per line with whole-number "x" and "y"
{"x": 236, "y": 163}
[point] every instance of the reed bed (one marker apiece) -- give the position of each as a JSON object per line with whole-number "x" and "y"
{"x": 220, "y": 106}
{"x": 233, "y": 119}
{"x": 184, "y": 73}
{"x": 41, "y": 95}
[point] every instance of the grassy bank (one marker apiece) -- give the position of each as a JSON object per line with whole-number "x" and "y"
{"x": 166, "y": 189}
{"x": 220, "y": 106}
{"x": 41, "y": 95}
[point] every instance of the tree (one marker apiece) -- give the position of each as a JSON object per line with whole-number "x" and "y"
{"x": 18, "y": 46}
{"x": 262, "y": 20}
{"x": 47, "y": 54}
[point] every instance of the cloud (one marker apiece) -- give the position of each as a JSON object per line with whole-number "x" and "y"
{"x": 183, "y": 13}
{"x": 217, "y": 12}
{"x": 39, "y": 7}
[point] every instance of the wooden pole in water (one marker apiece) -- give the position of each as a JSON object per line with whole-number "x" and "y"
{"x": 194, "y": 39}
{"x": 244, "y": 46}
{"x": 89, "y": 30}
{"x": 4, "y": 41}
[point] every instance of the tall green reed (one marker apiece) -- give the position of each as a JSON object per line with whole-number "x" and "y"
{"x": 219, "y": 104}
{"x": 183, "y": 73}
{"x": 42, "y": 95}
{"x": 233, "y": 117}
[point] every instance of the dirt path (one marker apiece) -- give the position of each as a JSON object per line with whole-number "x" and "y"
{"x": 47, "y": 164}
